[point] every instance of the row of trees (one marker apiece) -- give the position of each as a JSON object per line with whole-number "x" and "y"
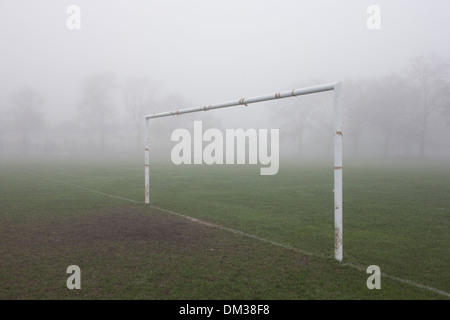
{"x": 25, "y": 104}
{"x": 407, "y": 112}
{"x": 405, "y": 105}
{"x": 107, "y": 108}
{"x": 404, "y": 112}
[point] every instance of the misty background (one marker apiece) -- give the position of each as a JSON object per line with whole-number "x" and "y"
{"x": 82, "y": 92}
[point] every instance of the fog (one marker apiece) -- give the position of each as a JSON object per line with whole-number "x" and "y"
{"x": 69, "y": 91}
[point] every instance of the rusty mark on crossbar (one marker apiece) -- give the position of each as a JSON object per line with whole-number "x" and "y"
{"x": 241, "y": 101}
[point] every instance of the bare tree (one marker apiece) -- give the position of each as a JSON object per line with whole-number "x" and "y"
{"x": 96, "y": 105}
{"x": 446, "y": 103}
{"x": 293, "y": 117}
{"x": 321, "y": 118}
{"x": 25, "y": 114}
{"x": 163, "y": 127}
{"x": 296, "y": 115}
{"x": 140, "y": 94}
{"x": 429, "y": 81}
{"x": 356, "y": 100}
{"x": 388, "y": 102}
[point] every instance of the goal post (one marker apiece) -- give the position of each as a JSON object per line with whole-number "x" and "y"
{"x": 337, "y": 120}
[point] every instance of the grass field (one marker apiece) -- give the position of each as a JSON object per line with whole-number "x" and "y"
{"x": 263, "y": 237}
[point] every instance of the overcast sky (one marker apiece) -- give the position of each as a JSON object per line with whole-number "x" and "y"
{"x": 210, "y": 50}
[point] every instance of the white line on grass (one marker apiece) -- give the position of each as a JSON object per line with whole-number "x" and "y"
{"x": 354, "y": 266}
{"x": 278, "y": 244}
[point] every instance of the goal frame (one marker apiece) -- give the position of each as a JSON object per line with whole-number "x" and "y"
{"x": 337, "y": 122}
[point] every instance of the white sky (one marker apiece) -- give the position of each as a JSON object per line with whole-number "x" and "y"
{"x": 210, "y": 50}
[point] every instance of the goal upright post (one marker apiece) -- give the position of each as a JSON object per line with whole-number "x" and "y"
{"x": 147, "y": 162}
{"x": 337, "y": 172}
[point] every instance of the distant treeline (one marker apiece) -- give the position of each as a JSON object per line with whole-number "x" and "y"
{"x": 403, "y": 114}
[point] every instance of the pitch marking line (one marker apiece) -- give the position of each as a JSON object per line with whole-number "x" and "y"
{"x": 213, "y": 225}
{"x": 359, "y": 268}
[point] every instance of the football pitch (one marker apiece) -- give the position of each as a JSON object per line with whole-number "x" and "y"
{"x": 222, "y": 232}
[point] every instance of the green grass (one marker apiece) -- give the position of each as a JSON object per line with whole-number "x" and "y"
{"x": 396, "y": 216}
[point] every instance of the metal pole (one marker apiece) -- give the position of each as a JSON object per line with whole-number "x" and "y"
{"x": 246, "y": 101}
{"x": 337, "y": 173}
{"x": 147, "y": 162}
